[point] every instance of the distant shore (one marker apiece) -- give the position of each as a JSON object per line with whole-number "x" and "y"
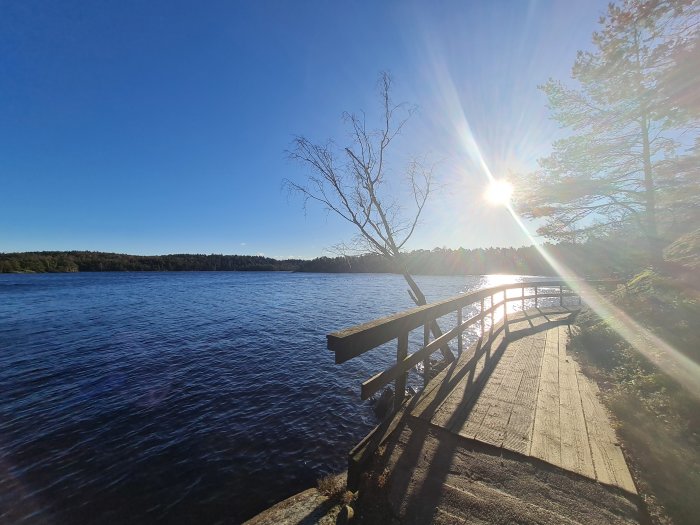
{"x": 439, "y": 261}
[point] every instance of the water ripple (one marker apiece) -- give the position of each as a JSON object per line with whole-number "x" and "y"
{"x": 180, "y": 397}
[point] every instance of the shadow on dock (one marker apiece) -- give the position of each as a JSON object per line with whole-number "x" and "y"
{"x": 509, "y": 432}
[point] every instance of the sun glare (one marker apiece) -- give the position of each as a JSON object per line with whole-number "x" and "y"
{"x": 499, "y": 192}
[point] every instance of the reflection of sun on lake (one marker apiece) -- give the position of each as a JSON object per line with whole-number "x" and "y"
{"x": 499, "y": 192}
{"x": 497, "y": 280}
{"x": 514, "y": 305}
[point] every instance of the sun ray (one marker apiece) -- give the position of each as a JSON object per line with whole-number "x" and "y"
{"x": 678, "y": 366}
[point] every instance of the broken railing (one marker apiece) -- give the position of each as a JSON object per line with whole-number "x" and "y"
{"x": 355, "y": 341}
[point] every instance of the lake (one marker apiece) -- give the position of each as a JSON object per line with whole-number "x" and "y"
{"x": 183, "y": 397}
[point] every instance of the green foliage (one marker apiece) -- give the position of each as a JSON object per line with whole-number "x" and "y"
{"x": 658, "y": 421}
{"x": 665, "y": 454}
{"x": 667, "y": 306}
{"x": 663, "y": 305}
{"x": 620, "y": 168}
{"x": 685, "y": 251}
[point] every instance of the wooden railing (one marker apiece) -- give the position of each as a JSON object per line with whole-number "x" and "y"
{"x": 355, "y": 341}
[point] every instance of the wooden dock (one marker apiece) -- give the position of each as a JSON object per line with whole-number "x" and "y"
{"x": 527, "y": 395}
{"x": 511, "y": 430}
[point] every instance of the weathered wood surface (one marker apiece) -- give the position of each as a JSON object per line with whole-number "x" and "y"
{"x": 355, "y": 341}
{"x": 522, "y": 392}
{"x": 546, "y": 440}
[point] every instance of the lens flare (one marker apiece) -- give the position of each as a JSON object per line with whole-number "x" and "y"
{"x": 678, "y": 366}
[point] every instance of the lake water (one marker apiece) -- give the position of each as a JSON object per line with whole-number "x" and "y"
{"x": 182, "y": 397}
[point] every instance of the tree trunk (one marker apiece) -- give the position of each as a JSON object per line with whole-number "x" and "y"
{"x": 650, "y": 224}
{"x": 419, "y": 298}
{"x": 651, "y": 227}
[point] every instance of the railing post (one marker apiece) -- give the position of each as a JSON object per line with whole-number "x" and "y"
{"x": 493, "y": 311}
{"x": 505, "y": 310}
{"x": 426, "y": 361}
{"x": 561, "y": 295}
{"x": 459, "y": 335}
{"x": 536, "y": 305}
{"x": 482, "y": 317}
{"x": 522, "y": 294}
{"x": 400, "y": 383}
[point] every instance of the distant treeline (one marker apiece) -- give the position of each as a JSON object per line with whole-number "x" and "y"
{"x": 40, "y": 262}
{"x": 597, "y": 259}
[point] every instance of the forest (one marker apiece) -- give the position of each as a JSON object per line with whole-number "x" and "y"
{"x": 608, "y": 262}
{"x": 87, "y": 261}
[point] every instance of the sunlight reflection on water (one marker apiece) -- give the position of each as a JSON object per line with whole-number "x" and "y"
{"x": 166, "y": 397}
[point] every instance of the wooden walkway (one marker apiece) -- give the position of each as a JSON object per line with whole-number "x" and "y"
{"x": 525, "y": 394}
{"x": 511, "y": 432}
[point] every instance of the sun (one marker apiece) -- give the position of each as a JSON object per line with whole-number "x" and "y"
{"x": 499, "y": 193}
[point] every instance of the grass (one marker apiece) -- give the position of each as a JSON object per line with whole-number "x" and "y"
{"x": 666, "y": 463}
{"x": 333, "y": 486}
{"x": 657, "y": 421}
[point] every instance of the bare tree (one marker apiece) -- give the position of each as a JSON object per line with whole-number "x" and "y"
{"x": 352, "y": 182}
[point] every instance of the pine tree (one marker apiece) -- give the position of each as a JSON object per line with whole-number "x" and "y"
{"x": 610, "y": 172}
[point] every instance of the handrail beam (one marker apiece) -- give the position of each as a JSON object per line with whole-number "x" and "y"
{"x": 385, "y": 377}
{"x": 356, "y": 340}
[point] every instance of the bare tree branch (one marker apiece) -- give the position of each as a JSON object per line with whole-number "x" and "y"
{"x": 352, "y": 182}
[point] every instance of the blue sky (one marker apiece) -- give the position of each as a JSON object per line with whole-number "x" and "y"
{"x": 161, "y": 127}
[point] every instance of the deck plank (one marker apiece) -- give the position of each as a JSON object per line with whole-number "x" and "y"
{"x": 467, "y": 370}
{"x": 501, "y": 401}
{"x": 458, "y": 405}
{"x": 486, "y": 400}
{"x": 608, "y": 460}
{"x": 528, "y": 396}
{"x": 575, "y": 447}
{"x": 546, "y": 439}
{"x": 509, "y": 420}
{"x": 518, "y": 432}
